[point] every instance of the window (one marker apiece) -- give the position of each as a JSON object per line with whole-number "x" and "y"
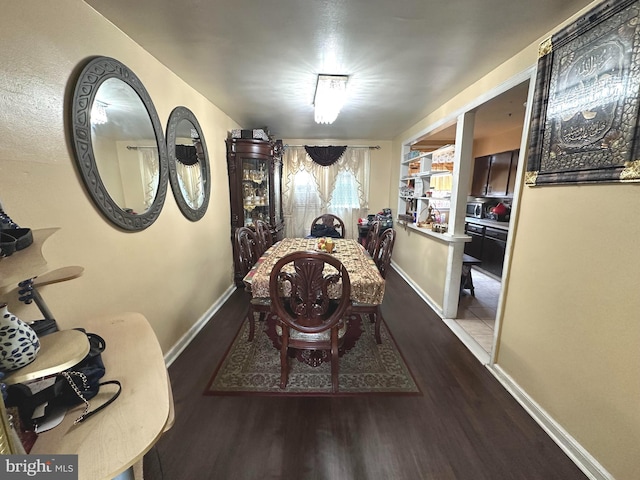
{"x": 345, "y": 192}
{"x": 305, "y": 190}
{"x": 309, "y": 189}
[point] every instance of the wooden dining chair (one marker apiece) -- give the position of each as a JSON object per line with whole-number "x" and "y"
{"x": 371, "y": 241}
{"x": 246, "y": 249}
{"x": 246, "y": 246}
{"x": 382, "y": 258}
{"x": 328, "y": 225}
{"x": 383, "y": 251}
{"x": 263, "y": 236}
{"x": 308, "y": 319}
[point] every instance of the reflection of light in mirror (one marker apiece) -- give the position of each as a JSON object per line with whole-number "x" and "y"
{"x": 125, "y": 147}
{"x": 149, "y": 173}
{"x": 189, "y": 166}
{"x": 190, "y": 180}
{"x": 189, "y": 169}
{"x": 99, "y": 113}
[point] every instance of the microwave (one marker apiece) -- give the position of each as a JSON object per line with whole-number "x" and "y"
{"x": 475, "y": 209}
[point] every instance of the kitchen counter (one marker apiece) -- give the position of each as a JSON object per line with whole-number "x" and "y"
{"x": 487, "y": 223}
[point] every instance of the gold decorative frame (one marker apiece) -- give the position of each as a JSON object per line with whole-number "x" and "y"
{"x": 585, "y": 113}
{"x": 7, "y": 446}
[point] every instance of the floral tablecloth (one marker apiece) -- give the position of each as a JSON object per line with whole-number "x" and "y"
{"x": 367, "y": 285}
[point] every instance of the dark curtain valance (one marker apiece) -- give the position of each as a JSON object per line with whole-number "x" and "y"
{"x": 186, "y": 154}
{"x": 325, "y": 156}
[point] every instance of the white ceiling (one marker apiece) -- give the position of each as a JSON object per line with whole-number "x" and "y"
{"x": 258, "y": 61}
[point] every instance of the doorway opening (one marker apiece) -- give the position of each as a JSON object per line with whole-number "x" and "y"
{"x": 498, "y": 136}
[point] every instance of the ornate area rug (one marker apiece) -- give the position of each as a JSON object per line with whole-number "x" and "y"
{"x": 365, "y": 366}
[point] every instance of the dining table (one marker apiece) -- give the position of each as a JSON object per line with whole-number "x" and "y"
{"x": 367, "y": 285}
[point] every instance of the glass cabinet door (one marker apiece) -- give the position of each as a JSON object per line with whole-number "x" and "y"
{"x": 255, "y": 190}
{"x": 277, "y": 191}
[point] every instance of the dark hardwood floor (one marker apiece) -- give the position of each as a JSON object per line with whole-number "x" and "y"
{"x": 464, "y": 426}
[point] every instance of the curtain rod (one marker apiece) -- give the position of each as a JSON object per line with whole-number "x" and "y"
{"x": 372, "y": 147}
{"x": 136, "y": 147}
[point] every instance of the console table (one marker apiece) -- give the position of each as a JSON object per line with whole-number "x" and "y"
{"x": 113, "y": 440}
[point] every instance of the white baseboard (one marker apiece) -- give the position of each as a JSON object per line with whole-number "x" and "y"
{"x": 426, "y": 298}
{"x": 186, "y": 339}
{"x": 569, "y": 445}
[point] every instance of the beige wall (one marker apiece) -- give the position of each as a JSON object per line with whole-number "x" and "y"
{"x": 172, "y": 272}
{"x": 570, "y": 334}
{"x": 495, "y": 144}
{"x": 424, "y": 260}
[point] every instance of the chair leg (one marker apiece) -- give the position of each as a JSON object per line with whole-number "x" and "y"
{"x": 284, "y": 365}
{"x": 334, "y": 359}
{"x": 379, "y": 319}
{"x": 251, "y": 320}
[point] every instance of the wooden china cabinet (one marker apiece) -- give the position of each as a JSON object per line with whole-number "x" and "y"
{"x": 255, "y": 186}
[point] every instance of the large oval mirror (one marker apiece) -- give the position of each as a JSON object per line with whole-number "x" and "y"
{"x": 188, "y": 163}
{"x": 119, "y": 144}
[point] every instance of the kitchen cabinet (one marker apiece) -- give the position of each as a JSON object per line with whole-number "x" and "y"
{"x": 487, "y": 244}
{"x": 474, "y": 247}
{"x": 494, "y": 175}
{"x": 511, "y": 183}
{"x": 493, "y": 249}
{"x": 480, "y": 176}
{"x": 255, "y": 186}
{"x": 425, "y": 179}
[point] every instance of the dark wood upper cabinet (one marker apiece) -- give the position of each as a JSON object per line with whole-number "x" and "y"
{"x": 480, "y": 176}
{"x": 512, "y": 173}
{"x": 494, "y": 175}
{"x": 255, "y": 186}
{"x": 499, "y": 174}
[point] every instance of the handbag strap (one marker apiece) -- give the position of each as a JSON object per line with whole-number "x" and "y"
{"x": 86, "y": 414}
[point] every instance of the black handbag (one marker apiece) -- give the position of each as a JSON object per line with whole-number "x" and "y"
{"x": 72, "y": 387}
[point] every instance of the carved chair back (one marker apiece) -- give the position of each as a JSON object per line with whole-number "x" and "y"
{"x": 246, "y": 247}
{"x": 372, "y": 237}
{"x": 328, "y": 220}
{"x": 384, "y": 249}
{"x": 300, "y": 295}
{"x": 263, "y": 236}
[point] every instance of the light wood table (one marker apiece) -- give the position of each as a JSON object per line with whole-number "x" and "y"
{"x": 113, "y": 440}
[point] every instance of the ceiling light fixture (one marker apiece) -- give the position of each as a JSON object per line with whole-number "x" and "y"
{"x": 331, "y": 92}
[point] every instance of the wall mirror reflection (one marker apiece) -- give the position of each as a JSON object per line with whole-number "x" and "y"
{"x": 119, "y": 144}
{"x": 188, "y": 163}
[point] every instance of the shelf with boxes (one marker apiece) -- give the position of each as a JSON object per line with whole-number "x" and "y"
{"x": 425, "y": 181}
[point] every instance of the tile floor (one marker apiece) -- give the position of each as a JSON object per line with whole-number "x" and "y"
{"x": 477, "y": 315}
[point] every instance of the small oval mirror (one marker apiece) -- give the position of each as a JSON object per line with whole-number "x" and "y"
{"x": 119, "y": 144}
{"x": 188, "y": 163}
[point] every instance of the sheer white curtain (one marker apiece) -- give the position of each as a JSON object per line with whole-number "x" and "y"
{"x": 190, "y": 181}
{"x": 150, "y": 173}
{"x": 309, "y": 190}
